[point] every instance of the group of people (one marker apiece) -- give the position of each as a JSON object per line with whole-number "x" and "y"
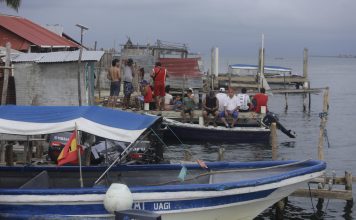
{"x": 158, "y": 75}
{"x": 222, "y": 105}
{"x": 229, "y": 105}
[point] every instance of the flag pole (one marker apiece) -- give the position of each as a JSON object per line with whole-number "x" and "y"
{"x": 79, "y": 156}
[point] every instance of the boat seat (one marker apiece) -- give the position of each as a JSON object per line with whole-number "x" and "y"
{"x": 40, "y": 181}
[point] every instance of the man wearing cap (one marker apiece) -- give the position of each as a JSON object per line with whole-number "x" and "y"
{"x": 221, "y": 96}
{"x": 159, "y": 75}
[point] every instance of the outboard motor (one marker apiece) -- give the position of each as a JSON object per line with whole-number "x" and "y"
{"x": 270, "y": 118}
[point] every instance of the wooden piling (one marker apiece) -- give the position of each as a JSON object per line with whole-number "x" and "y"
{"x": 273, "y": 141}
{"x": 323, "y": 124}
{"x": 221, "y": 153}
{"x": 28, "y": 154}
{"x": 348, "y": 186}
{"x": 87, "y": 154}
{"x": 286, "y": 99}
{"x": 305, "y": 63}
{"x": 6, "y": 74}
{"x": 39, "y": 150}
{"x": 9, "y": 155}
{"x": 2, "y": 152}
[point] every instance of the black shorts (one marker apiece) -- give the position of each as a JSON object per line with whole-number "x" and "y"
{"x": 188, "y": 111}
{"x": 210, "y": 112}
{"x": 115, "y": 88}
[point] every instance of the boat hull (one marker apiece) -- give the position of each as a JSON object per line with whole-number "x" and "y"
{"x": 195, "y": 133}
{"x": 216, "y": 200}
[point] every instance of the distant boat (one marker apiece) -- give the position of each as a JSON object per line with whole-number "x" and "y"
{"x": 224, "y": 190}
{"x": 197, "y": 133}
{"x": 269, "y": 71}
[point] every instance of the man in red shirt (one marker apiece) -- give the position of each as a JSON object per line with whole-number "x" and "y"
{"x": 260, "y": 99}
{"x": 159, "y": 75}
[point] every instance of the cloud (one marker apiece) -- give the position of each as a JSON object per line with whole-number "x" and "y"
{"x": 326, "y": 26}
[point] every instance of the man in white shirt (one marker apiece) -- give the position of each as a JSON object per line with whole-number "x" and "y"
{"x": 244, "y": 101}
{"x": 231, "y": 108}
{"x": 221, "y": 96}
{"x": 168, "y": 99}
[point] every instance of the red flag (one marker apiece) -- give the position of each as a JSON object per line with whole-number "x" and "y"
{"x": 202, "y": 164}
{"x": 69, "y": 153}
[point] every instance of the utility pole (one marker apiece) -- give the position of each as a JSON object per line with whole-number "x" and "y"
{"x": 82, "y": 28}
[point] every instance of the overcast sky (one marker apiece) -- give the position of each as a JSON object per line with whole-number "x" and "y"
{"x": 325, "y": 27}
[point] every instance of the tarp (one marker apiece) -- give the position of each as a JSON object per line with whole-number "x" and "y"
{"x": 100, "y": 121}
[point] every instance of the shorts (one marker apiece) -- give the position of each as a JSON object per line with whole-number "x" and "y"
{"x": 209, "y": 112}
{"x": 189, "y": 111}
{"x": 159, "y": 89}
{"x": 235, "y": 114}
{"x": 128, "y": 88}
{"x": 115, "y": 88}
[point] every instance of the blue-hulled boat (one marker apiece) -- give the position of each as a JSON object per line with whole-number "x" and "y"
{"x": 221, "y": 191}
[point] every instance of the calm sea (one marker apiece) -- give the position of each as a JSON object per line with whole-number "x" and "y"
{"x": 340, "y": 75}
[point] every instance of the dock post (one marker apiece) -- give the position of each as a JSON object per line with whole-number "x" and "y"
{"x": 273, "y": 141}
{"x": 348, "y": 186}
{"x": 323, "y": 121}
{"x": 39, "y": 149}
{"x": 221, "y": 153}
{"x": 305, "y": 63}
{"x": 87, "y": 154}
{"x": 2, "y": 152}
{"x": 309, "y": 96}
{"x": 9, "y": 155}
{"x": 6, "y": 74}
{"x": 280, "y": 205}
{"x": 286, "y": 99}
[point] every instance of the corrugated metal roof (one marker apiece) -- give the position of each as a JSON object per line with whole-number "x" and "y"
{"x": 58, "y": 57}
{"x": 34, "y": 33}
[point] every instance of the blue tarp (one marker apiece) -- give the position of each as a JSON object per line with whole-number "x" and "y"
{"x": 104, "y": 122}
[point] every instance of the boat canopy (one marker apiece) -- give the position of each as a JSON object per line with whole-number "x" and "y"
{"x": 255, "y": 67}
{"x": 107, "y": 123}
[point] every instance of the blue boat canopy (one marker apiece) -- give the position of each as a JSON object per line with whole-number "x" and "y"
{"x": 271, "y": 68}
{"x": 100, "y": 121}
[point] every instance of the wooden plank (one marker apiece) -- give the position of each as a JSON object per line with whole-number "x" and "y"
{"x": 324, "y": 193}
{"x": 312, "y": 90}
{"x": 277, "y": 80}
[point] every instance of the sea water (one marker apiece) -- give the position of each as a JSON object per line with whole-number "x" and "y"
{"x": 339, "y": 74}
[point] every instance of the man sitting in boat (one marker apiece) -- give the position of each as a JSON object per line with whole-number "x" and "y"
{"x": 231, "y": 108}
{"x": 221, "y": 96}
{"x": 188, "y": 106}
{"x": 210, "y": 106}
{"x": 260, "y": 99}
{"x": 244, "y": 100}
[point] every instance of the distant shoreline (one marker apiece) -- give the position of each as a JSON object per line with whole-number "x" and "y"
{"x": 335, "y": 56}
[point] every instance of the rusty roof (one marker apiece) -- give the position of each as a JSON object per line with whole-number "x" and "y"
{"x": 178, "y": 67}
{"x": 34, "y": 33}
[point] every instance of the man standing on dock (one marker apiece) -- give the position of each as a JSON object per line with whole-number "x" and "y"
{"x": 128, "y": 86}
{"x": 159, "y": 75}
{"x": 115, "y": 77}
{"x": 260, "y": 99}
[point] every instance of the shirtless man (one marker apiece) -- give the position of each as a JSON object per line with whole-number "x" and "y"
{"x": 115, "y": 77}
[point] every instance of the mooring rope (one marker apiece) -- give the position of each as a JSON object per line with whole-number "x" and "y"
{"x": 311, "y": 201}
{"x": 230, "y": 171}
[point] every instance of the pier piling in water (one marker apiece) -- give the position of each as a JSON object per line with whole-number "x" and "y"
{"x": 273, "y": 141}
{"x": 323, "y": 118}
